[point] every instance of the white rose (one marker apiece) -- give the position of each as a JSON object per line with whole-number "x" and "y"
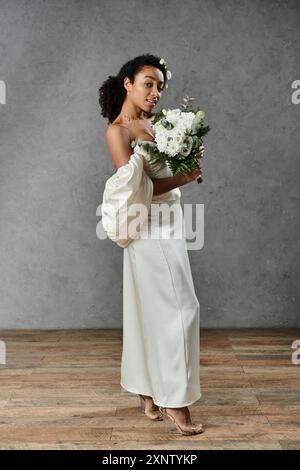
{"x": 173, "y": 115}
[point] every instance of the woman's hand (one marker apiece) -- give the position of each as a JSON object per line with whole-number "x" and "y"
{"x": 192, "y": 175}
{"x": 199, "y": 152}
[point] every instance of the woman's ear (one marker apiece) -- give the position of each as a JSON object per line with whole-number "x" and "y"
{"x": 127, "y": 84}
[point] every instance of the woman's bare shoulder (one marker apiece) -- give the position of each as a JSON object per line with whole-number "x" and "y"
{"x": 116, "y": 130}
{"x": 118, "y": 143}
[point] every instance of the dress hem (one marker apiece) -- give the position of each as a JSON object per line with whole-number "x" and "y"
{"x": 157, "y": 402}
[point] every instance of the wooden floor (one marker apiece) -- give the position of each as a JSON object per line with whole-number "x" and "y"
{"x": 60, "y": 390}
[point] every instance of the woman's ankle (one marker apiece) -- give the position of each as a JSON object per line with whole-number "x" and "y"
{"x": 183, "y": 408}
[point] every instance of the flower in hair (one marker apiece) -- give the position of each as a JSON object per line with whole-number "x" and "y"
{"x": 168, "y": 72}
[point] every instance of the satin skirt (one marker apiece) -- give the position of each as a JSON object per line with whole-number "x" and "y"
{"x": 161, "y": 315}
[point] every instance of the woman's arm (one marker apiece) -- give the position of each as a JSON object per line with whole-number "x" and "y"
{"x": 118, "y": 143}
{"x": 162, "y": 185}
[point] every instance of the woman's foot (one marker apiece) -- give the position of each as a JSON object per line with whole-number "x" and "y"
{"x": 182, "y": 419}
{"x": 150, "y": 408}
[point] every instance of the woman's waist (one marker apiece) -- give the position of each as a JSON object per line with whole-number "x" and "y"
{"x": 172, "y": 195}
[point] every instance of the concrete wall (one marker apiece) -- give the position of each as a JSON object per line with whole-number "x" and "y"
{"x": 238, "y": 59}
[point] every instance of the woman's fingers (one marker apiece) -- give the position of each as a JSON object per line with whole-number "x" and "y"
{"x": 197, "y": 172}
{"x": 200, "y": 152}
{"x": 192, "y": 175}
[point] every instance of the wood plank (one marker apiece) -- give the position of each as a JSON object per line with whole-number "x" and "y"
{"x": 60, "y": 389}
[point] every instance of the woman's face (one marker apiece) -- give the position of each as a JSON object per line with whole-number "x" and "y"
{"x": 146, "y": 90}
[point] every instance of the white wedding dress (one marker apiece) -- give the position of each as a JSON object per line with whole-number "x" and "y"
{"x": 161, "y": 312}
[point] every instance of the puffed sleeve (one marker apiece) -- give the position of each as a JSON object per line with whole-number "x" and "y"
{"x": 130, "y": 185}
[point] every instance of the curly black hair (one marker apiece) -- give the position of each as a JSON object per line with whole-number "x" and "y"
{"x": 112, "y": 92}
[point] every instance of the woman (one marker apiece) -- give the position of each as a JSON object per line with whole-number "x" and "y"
{"x": 160, "y": 357}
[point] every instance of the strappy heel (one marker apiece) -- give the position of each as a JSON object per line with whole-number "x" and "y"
{"x": 198, "y": 429}
{"x": 159, "y": 417}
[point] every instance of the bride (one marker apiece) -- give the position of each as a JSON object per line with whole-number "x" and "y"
{"x": 161, "y": 313}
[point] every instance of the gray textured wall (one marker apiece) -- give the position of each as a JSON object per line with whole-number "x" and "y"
{"x": 238, "y": 60}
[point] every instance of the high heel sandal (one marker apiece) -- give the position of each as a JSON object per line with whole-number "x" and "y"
{"x": 198, "y": 429}
{"x": 158, "y": 417}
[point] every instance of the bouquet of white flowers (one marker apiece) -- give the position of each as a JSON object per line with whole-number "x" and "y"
{"x": 178, "y": 136}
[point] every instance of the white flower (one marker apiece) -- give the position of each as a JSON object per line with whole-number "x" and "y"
{"x": 172, "y": 149}
{"x": 178, "y": 141}
{"x": 162, "y": 141}
{"x": 187, "y": 119}
{"x": 200, "y": 114}
{"x": 175, "y": 141}
{"x": 162, "y": 61}
{"x": 173, "y": 115}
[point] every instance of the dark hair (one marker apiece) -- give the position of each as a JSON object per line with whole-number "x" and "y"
{"x": 112, "y": 92}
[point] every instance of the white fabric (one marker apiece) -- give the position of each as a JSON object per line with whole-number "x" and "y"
{"x": 161, "y": 312}
{"x": 129, "y": 185}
